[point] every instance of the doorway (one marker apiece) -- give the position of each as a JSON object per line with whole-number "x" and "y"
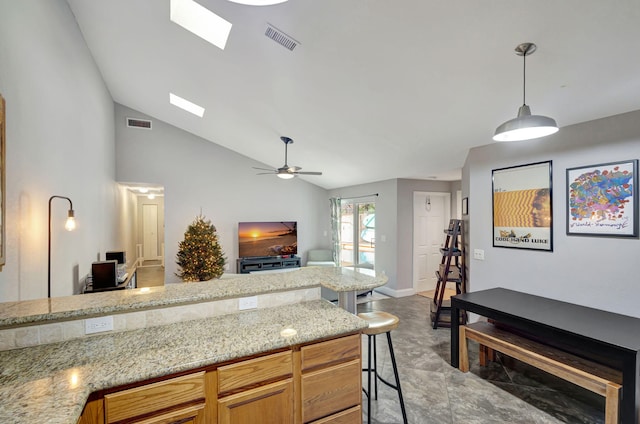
{"x": 357, "y": 233}
{"x": 431, "y": 214}
{"x": 141, "y": 221}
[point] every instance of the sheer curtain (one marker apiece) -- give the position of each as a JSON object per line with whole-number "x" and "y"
{"x": 335, "y": 228}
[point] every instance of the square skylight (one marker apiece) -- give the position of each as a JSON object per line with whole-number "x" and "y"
{"x": 200, "y": 21}
{"x": 186, "y": 105}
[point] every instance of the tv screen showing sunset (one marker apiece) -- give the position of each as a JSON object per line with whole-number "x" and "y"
{"x": 267, "y": 238}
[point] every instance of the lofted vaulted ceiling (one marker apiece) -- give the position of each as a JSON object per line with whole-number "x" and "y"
{"x": 375, "y": 89}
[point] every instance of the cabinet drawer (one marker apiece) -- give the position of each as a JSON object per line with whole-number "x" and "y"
{"x": 350, "y": 416}
{"x": 254, "y": 371}
{"x": 154, "y": 397}
{"x": 331, "y": 389}
{"x": 332, "y": 351}
{"x": 268, "y": 404}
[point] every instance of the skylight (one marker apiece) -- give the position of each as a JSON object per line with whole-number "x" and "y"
{"x": 258, "y": 2}
{"x": 200, "y": 21}
{"x": 186, "y": 105}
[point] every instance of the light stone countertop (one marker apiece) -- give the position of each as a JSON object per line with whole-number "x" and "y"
{"x": 51, "y": 383}
{"x": 13, "y": 314}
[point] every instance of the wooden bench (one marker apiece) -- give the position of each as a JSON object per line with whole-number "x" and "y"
{"x": 587, "y": 374}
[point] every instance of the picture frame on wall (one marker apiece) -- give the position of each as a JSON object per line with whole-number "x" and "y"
{"x": 602, "y": 200}
{"x": 523, "y": 207}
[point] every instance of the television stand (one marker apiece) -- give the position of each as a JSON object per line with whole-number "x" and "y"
{"x": 247, "y": 265}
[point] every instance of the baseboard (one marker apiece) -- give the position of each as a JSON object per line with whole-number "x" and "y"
{"x": 395, "y": 293}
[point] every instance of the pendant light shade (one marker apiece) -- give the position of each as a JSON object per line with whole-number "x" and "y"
{"x": 525, "y": 126}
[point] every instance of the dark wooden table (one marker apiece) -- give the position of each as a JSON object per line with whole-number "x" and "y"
{"x": 605, "y": 337}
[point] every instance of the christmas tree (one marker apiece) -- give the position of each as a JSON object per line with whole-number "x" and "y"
{"x": 200, "y": 257}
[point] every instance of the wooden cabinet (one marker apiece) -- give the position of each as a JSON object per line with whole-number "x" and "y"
{"x": 93, "y": 413}
{"x": 315, "y": 383}
{"x": 180, "y": 399}
{"x": 245, "y": 395}
{"x": 331, "y": 381}
{"x": 269, "y": 404}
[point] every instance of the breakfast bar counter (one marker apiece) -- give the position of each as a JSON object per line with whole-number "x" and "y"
{"x": 50, "y": 367}
{"x": 51, "y": 383}
{"x": 38, "y": 311}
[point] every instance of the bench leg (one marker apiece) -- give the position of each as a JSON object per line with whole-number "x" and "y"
{"x": 463, "y": 362}
{"x": 611, "y": 412}
{"x": 486, "y": 355}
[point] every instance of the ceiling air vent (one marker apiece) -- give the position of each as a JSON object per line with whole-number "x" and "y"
{"x": 139, "y": 123}
{"x": 280, "y": 37}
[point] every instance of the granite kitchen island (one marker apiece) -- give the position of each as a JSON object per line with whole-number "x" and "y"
{"x": 52, "y": 381}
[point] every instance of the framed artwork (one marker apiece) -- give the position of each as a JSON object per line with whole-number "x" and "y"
{"x": 602, "y": 200}
{"x": 465, "y": 206}
{"x": 522, "y": 207}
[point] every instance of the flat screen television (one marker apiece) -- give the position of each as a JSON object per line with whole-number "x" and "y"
{"x": 263, "y": 239}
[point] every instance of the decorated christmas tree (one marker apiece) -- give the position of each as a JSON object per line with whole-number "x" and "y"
{"x": 200, "y": 257}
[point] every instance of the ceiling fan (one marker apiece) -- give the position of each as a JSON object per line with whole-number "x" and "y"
{"x": 285, "y": 171}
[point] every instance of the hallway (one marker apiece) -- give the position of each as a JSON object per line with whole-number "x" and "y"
{"x": 436, "y": 393}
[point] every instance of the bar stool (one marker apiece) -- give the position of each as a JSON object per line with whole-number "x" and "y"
{"x": 380, "y": 322}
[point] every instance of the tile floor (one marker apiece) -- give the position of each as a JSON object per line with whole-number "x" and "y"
{"x": 434, "y": 392}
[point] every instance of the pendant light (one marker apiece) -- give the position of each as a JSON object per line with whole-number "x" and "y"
{"x": 525, "y": 126}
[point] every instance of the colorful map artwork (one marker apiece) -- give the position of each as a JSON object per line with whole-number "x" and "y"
{"x": 600, "y": 194}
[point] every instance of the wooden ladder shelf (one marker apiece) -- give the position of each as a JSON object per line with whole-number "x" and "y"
{"x": 451, "y": 270}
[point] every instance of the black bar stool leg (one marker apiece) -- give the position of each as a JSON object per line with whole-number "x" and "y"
{"x": 395, "y": 372}
{"x": 369, "y": 380}
{"x": 375, "y": 366}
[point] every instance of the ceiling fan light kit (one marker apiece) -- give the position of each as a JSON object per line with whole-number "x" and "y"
{"x": 525, "y": 126}
{"x": 286, "y": 172}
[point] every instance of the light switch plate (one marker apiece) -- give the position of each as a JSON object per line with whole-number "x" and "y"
{"x": 478, "y": 254}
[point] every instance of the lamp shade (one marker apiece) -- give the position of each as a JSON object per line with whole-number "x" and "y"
{"x": 285, "y": 175}
{"x": 525, "y": 127}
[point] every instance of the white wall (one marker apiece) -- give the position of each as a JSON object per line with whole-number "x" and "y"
{"x": 594, "y": 271}
{"x": 127, "y": 228}
{"x": 200, "y": 176}
{"x": 60, "y": 141}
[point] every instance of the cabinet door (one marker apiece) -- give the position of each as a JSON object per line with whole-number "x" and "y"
{"x": 270, "y": 404}
{"x": 331, "y": 389}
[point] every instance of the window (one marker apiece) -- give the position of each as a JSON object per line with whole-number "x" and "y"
{"x": 357, "y": 234}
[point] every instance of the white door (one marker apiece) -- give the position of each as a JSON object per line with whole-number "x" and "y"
{"x": 150, "y": 231}
{"x": 431, "y": 213}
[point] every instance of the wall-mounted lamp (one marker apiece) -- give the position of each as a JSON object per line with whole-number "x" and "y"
{"x": 427, "y": 203}
{"x": 69, "y": 225}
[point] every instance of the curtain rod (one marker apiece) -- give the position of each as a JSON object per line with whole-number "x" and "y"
{"x": 358, "y": 197}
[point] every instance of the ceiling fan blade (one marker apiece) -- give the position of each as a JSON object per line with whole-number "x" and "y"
{"x": 263, "y": 169}
{"x": 265, "y": 173}
{"x": 308, "y": 173}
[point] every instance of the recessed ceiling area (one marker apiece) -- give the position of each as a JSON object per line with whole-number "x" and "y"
{"x": 374, "y": 90}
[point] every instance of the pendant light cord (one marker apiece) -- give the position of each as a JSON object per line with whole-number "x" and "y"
{"x": 524, "y": 78}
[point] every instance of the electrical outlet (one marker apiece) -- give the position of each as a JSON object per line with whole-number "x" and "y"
{"x": 478, "y": 254}
{"x": 248, "y": 303}
{"x": 98, "y": 325}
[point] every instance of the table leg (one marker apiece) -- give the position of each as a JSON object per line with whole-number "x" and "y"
{"x": 347, "y": 301}
{"x": 630, "y": 405}
{"x": 455, "y": 324}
